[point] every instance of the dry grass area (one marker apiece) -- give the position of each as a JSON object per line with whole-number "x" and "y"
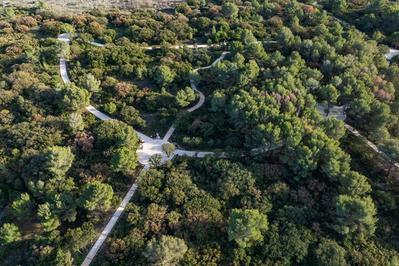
{"x": 84, "y": 5}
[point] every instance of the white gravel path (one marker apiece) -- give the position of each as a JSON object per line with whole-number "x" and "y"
{"x": 97, "y": 44}
{"x": 148, "y": 148}
{"x": 152, "y": 146}
{"x": 391, "y": 54}
{"x": 65, "y": 37}
{"x": 339, "y": 113}
{"x": 178, "y": 46}
{"x": 108, "y": 228}
{"x": 201, "y": 100}
{"x": 63, "y": 71}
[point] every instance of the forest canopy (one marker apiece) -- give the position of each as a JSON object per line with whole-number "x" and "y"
{"x": 284, "y": 182}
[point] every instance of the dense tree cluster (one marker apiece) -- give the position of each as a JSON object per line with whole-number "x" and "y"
{"x": 286, "y": 191}
{"x": 134, "y": 85}
{"x": 378, "y": 18}
{"x": 58, "y": 176}
{"x": 222, "y": 212}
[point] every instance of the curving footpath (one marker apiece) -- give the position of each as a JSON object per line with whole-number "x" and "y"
{"x": 178, "y": 46}
{"x": 151, "y": 146}
{"x": 201, "y": 100}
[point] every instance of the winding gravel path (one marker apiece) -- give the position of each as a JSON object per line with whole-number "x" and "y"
{"x": 201, "y": 100}
{"x": 151, "y": 146}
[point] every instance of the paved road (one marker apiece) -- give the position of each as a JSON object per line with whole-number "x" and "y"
{"x": 65, "y": 37}
{"x": 335, "y": 111}
{"x": 201, "y": 100}
{"x": 195, "y": 46}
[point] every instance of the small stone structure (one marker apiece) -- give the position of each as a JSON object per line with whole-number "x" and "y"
{"x": 84, "y": 5}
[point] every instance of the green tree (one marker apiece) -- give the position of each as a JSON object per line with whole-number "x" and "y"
{"x": 233, "y": 179}
{"x": 132, "y": 116}
{"x": 379, "y": 116}
{"x": 355, "y": 216}
{"x": 124, "y": 159}
{"x": 63, "y": 258}
{"x": 329, "y": 93}
{"x": 168, "y": 148}
{"x": 185, "y": 97}
{"x": 115, "y": 133}
{"x": 286, "y": 244}
{"x": 22, "y": 206}
{"x": 333, "y": 128}
{"x": 164, "y": 76}
{"x": 9, "y": 12}
{"x": 247, "y": 37}
{"x": 329, "y": 253}
{"x": 218, "y": 101}
{"x": 370, "y": 252}
{"x": 58, "y": 160}
{"x": 248, "y": 73}
{"x": 76, "y": 122}
{"x": 285, "y": 37}
{"x": 391, "y": 148}
{"x": 75, "y": 98}
{"x": 338, "y": 6}
{"x": 9, "y": 233}
{"x": 96, "y": 196}
{"x": 229, "y": 10}
{"x": 91, "y": 83}
{"x": 49, "y": 221}
{"x": 354, "y": 184}
{"x": 79, "y": 238}
{"x": 156, "y": 160}
{"x": 246, "y": 226}
{"x": 168, "y": 250}
{"x": 110, "y": 107}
